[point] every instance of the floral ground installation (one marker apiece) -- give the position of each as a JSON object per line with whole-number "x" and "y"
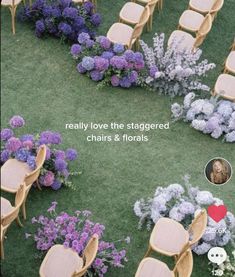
{"x": 180, "y": 203}
{"x": 172, "y": 71}
{"x": 107, "y": 63}
{"x": 61, "y": 18}
{"x": 74, "y": 231}
{"x": 24, "y": 148}
{"x": 210, "y": 116}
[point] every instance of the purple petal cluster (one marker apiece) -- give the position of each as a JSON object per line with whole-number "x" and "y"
{"x": 17, "y": 121}
{"x": 6, "y": 134}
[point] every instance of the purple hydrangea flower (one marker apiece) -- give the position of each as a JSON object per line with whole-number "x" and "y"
{"x": 79, "y": 22}
{"x": 31, "y": 161}
{"x": 56, "y": 185}
{"x": 22, "y": 154}
{"x": 56, "y": 138}
{"x": 65, "y": 3}
{"x": 65, "y": 28}
{"x": 27, "y": 137}
{"x": 13, "y": 144}
{"x": 17, "y": 121}
{"x": 139, "y": 65}
{"x": 88, "y": 63}
{"x": 55, "y": 12}
{"x": 45, "y": 137}
{"x": 83, "y": 37}
{"x": 40, "y": 27}
{"x": 89, "y": 43}
{"x": 5, "y": 155}
{"x": 47, "y": 179}
{"x": 133, "y": 76}
{"x": 138, "y": 57}
{"x": 104, "y": 42}
{"x": 96, "y": 19}
{"x": 129, "y": 55}
{"x": 71, "y": 154}
{"x": 96, "y": 75}
{"x": 48, "y": 153}
{"x": 60, "y": 164}
{"x": 118, "y": 62}
{"x": 69, "y": 12}
{"x": 107, "y": 55}
{"x": 153, "y": 70}
{"x": 76, "y": 49}
{"x": 46, "y": 11}
{"x": 115, "y": 81}
{"x": 59, "y": 154}
{"x": 118, "y": 48}
{"x": 28, "y": 144}
{"x": 88, "y": 6}
{"x": 81, "y": 69}
{"x": 125, "y": 82}
{"x": 6, "y": 134}
{"x": 101, "y": 64}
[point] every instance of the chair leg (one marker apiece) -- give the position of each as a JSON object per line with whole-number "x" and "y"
{"x": 38, "y": 185}
{"x": 19, "y": 222}
{"x": 24, "y": 210}
{"x": 13, "y": 10}
{"x": 2, "y": 250}
{"x": 148, "y": 251}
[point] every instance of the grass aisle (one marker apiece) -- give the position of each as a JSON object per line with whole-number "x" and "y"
{"x": 40, "y": 82}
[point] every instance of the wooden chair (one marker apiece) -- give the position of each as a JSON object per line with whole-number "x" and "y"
{"x": 150, "y": 267}
{"x": 217, "y": 6}
{"x": 14, "y": 173}
{"x": 10, "y": 213}
{"x": 126, "y": 35}
{"x": 12, "y": 5}
{"x": 225, "y": 86}
{"x": 201, "y": 6}
{"x": 131, "y": 13}
{"x": 65, "y": 262}
{"x": 145, "y": 2}
{"x": 229, "y": 66}
{"x": 171, "y": 239}
{"x": 187, "y": 41}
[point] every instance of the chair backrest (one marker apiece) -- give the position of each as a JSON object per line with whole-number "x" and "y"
{"x": 19, "y": 198}
{"x": 89, "y": 255}
{"x": 216, "y": 7}
{"x": 198, "y": 227}
{"x": 140, "y": 26}
{"x": 184, "y": 265}
{"x": 31, "y": 177}
{"x": 152, "y": 4}
{"x": 203, "y": 30}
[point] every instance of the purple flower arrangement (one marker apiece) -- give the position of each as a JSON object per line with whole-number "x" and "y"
{"x": 55, "y": 171}
{"x": 74, "y": 231}
{"x": 61, "y": 18}
{"x": 107, "y": 63}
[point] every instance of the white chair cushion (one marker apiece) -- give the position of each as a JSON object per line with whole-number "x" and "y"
{"x": 131, "y": 12}
{"x": 168, "y": 237}
{"x": 225, "y": 84}
{"x": 60, "y": 262}
{"x": 203, "y": 6}
{"x": 13, "y": 173}
{"x": 6, "y": 206}
{"x": 186, "y": 41}
{"x": 120, "y": 33}
{"x": 191, "y": 20}
{"x": 150, "y": 267}
{"x": 230, "y": 62}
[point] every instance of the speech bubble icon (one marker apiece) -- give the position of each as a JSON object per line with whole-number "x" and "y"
{"x": 217, "y": 255}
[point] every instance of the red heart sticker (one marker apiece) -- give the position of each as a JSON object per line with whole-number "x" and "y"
{"x": 217, "y": 213}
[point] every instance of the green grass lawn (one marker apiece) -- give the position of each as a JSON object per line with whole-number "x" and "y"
{"x": 40, "y": 82}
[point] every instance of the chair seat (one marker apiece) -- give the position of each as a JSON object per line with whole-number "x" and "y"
{"x": 131, "y": 12}
{"x": 12, "y": 174}
{"x": 60, "y": 262}
{"x": 225, "y": 85}
{"x": 120, "y": 33}
{"x": 150, "y": 267}
{"x": 168, "y": 237}
{"x": 186, "y": 41}
{"x": 143, "y": 1}
{"x": 203, "y": 6}
{"x": 230, "y": 62}
{"x": 10, "y": 2}
{"x": 6, "y": 206}
{"x": 191, "y": 20}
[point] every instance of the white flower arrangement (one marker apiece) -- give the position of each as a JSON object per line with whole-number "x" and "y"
{"x": 173, "y": 71}
{"x": 181, "y": 203}
{"x": 209, "y": 116}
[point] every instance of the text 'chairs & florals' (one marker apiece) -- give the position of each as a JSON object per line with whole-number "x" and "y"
{"x": 14, "y": 173}
{"x": 65, "y": 262}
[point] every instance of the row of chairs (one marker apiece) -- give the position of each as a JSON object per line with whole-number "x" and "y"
{"x": 171, "y": 239}
{"x": 17, "y": 178}
{"x": 136, "y": 15}
{"x": 225, "y": 84}
{"x": 197, "y": 21}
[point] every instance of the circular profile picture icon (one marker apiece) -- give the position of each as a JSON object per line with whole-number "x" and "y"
{"x": 218, "y": 171}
